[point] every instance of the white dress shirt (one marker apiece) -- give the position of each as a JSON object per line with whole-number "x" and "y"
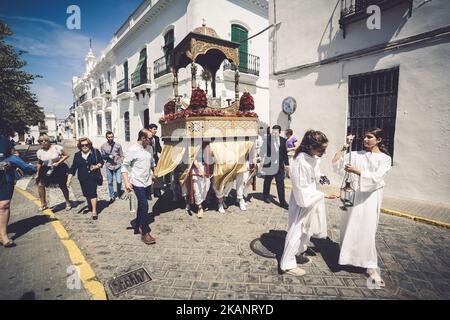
{"x": 137, "y": 163}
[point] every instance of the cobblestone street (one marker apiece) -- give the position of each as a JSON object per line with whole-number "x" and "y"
{"x": 212, "y": 258}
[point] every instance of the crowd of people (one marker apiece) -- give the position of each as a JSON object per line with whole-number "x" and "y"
{"x": 274, "y": 156}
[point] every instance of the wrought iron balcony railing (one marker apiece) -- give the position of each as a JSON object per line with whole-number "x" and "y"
{"x": 248, "y": 63}
{"x": 122, "y": 86}
{"x": 139, "y": 77}
{"x": 82, "y": 98}
{"x": 162, "y": 66}
{"x": 354, "y": 10}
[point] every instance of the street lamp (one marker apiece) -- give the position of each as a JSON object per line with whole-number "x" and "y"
{"x": 347, "y": 194}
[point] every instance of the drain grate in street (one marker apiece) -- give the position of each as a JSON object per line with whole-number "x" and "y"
{"x": 129, "y": 281}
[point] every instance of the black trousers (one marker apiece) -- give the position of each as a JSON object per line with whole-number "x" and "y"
{"x": 279, "y": 179}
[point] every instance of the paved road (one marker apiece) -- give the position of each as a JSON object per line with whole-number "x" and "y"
{"x": 212, "y": 258}
{"x": 37, "y": 268}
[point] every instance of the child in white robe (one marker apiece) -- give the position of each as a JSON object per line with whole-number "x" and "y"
{"x": 306, "y": 202}
{"x": 200, "y": 183}
{"x": 359, "y": 223}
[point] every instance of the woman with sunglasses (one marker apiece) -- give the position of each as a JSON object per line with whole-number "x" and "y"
{"x": 359, "y": 223}
{"x": 52, "y": 170}
{"x": 88, "y": 162}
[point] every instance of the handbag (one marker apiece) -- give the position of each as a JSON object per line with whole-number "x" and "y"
{"x": 99, "y": 177}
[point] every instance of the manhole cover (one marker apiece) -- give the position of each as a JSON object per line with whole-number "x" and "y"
{"x": 129, "y": 281}
{"x": 268, "y": 246}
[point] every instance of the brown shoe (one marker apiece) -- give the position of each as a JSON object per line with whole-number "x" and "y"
{"x": 148, "y": 239}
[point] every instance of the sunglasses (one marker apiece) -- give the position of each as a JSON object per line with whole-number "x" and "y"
{"x": 84, "y": 145}
{"x": 43, "y": 141}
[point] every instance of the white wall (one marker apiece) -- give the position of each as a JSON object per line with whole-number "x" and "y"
{"x": 421, "y": 155}
{"x": 318, "y": 35}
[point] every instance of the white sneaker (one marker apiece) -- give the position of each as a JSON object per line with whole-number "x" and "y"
{"x": 221, "y": 209}
{"x": 242, "y": 205}
{"x": 296, "y": 272}
{"x": 200, "y": 213}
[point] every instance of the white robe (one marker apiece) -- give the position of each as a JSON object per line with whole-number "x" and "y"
{"x": 359, "y": 223}
{"x": 200, "y": 184}
{"x": 306, "y": 209}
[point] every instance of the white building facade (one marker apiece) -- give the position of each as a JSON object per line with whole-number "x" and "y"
{"x": 347, "y": 75}
{"x": 127, "y": 87}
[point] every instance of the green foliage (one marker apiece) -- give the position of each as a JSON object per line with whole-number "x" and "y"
{"x": 18, "y": 105}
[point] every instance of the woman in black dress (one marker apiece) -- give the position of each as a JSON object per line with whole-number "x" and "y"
{"x": 88, "y": 162}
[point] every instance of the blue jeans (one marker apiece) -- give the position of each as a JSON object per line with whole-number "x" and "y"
{"x": 118, "y": 175}
{"x": 142, "y": 209}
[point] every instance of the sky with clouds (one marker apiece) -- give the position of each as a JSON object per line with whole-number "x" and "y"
{"x": 55, "y": 52}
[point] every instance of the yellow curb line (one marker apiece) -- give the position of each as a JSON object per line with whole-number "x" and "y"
{"x": 87, "y": 274}
{"x": 415, "y": 218}
{"x": 403, "y": 215}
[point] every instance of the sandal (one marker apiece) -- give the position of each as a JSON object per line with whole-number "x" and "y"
{"x": 376, "y": 278}
{"x": 43, "y": 208}
{"x": 8, "y": 244}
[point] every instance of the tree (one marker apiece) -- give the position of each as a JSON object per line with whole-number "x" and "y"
{"x": 18, "y": 105}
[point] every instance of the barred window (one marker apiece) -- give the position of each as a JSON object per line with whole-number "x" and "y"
{"x": 373, "y": 103}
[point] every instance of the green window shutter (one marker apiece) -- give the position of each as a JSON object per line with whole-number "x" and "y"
{"x": 142, "y": 59}
{"x": 125, "y": 72}
{"x": 240, "y": 34}
{"x": 139, "y": 74}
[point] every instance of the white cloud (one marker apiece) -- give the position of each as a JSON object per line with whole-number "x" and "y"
{"x": 43, "y": 38}
{"x": 53, "y": 100}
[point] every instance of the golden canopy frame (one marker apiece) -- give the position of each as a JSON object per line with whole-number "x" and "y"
{"x": 204, "y": 47}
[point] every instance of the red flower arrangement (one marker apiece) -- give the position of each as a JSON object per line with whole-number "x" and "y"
{"x": 247, "y": 114}
{"x": 246, "y": 103}
{"x": 198, "y": 99}
{"x": 169, "y": 107}
{"x": 192, "y": 113}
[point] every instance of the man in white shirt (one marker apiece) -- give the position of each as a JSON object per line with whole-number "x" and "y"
{"x": 137, "y": 176}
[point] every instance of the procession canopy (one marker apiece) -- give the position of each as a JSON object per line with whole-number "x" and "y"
{"x": 230, "y": 159}
{"x": 204, "y": 47}
{"x": 176, "y": 154}
{"x": 225, "y": 133}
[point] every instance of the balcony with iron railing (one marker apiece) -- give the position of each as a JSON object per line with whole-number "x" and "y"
{"x": 122, "y": 86}
{"x": 139, "y": 77}
{"x": 82, "y": 98}
{"x": 248, "y": 63}
{"x": 162, "y": 66}
{"x": 355, "y": 10}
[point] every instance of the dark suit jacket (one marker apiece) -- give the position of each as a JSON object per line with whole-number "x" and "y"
{"x": 82, "y": 166}
{"x": 266, "y": 151}
{"x": 156, "y": 149}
